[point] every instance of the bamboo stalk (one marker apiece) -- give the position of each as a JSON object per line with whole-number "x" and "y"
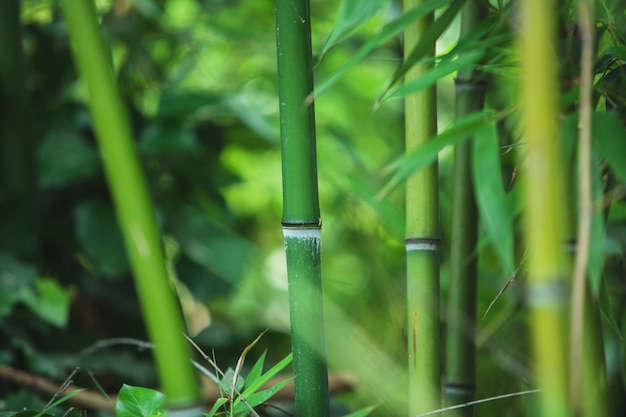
{"x": 133, "y": 207}
{"x": 545, "y": 218}
{"x": 460, "y": 385}
{"x": 17, "y": 159}
{"x": 422, "y": 238}
{"x": 301, "y": 215}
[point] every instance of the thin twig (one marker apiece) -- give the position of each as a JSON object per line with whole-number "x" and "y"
{"x": 585, "y": 15}
{"x": 484, "y": 400}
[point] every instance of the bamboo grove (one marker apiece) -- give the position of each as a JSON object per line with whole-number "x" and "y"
{"x": 505, "y": 183}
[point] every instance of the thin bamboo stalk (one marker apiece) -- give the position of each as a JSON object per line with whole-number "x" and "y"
{"x": 17, "y": 159}
{"x": 134, "y": 208}
{"x": 545, "y": 218}
{"x": 301, "y": 214}
{"x": 460, "y": 385}
{"x": 422, "y": 238}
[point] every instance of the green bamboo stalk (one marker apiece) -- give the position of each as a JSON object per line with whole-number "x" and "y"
{"x": 134, "y": 208}
{"x": 545, "y": 217}
{"x": 17, "y": 159}
{"x": 460, "y": 385}
{"x": 301, "y": 214}
{"x": 422, "y": 237}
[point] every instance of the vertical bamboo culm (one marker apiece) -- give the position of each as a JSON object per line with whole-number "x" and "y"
{"x": 422, "y": 239}
{"x": 545, "y": 217}
{"x": 134, "y": 210}
{"x": 460, "y": 345}
{"x": 301, "y": 215}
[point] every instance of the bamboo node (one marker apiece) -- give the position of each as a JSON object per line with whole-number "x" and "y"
{"x": 416, "y": 244}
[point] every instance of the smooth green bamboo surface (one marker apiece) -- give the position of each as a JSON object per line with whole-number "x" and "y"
{"x": 17, "y": 159}
{"x": 460, "y": 344}
{"x": 545, "y": 219}
{"x": 133, "y": 206}
{"x": 301, "y": 214}
{"x": 422, "y": 239}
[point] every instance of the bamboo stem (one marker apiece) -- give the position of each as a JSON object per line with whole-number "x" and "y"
{"x": 422, "y": 238}
{"x": 461, "y": 348}
{"x": 301, "y": 214}
{"x": 545, "y": 218}
{"x": 133, "y": 207}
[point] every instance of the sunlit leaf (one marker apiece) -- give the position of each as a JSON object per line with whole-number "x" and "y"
{"x": 352, "y": 15}
{"x": 459, "y": 131}
{"x": 258, "y": 383}
{"x": 139, "y": 402}
{"x": 490, "y": 194}
{"x": 388, "y": 32}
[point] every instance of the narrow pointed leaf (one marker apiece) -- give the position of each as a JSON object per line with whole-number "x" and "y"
{"x": 256, "y": 371}
{"x": 434, "y": 31}
{"x": 390, "y": 30}
{"x": 216, "y": 406}
{"x": 265, "y": 378}
{"x": 435, "y": 74}
{"x": 259, "y": 397}
{"x": 490, "y": 194}
{"x": 352, "y": 15}
{"x": 458, "y": 132}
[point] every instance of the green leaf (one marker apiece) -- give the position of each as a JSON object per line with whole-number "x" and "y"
{"x": 258, "y": 383}
{"x": 608, "y": 132}
{"x": 159, "y": 138}
{"x": 428, "y": 39}
{"x": 210, "y": 244}
{"x": 216, "y": 406}
{"x": 389, "y": 31}
{"x": 99, "y": 235}
{"x": 139, "y": 402}
{"x": 461, "y": 130}
{"x": 435, "y": 74}
{"x": 259, "y": 397}
{"x": 491, "y": 196}
{"x": 256, "y": 371}
{"x": 363, "y": 412}
{"x": 64, "y": 157}
{"x": 49, "y": 301}
{"x": 226, "y": 383}
{"x": 352, "y": 15}
{"x": 15, "y": 277}
{"x": 596, "y": 244}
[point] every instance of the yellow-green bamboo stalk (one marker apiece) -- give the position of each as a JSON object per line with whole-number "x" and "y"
{"x": 460, "y": 344}
{"x": 134, "y": 210}
{"x": 422, "y": 238}
{"x": 545, "y": 216}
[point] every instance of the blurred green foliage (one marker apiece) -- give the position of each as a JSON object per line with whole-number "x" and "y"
{"x": 199, "y": 79}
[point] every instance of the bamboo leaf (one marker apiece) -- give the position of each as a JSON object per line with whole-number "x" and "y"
{"x": 428, "y": 40}
{"x": 257, "y": 370}
{"x": 388, "y": 32}
{"x": 255, "y": 385}
{"x": 607, "y": 128}
{"x": 459, "y": 131}
{"x": 216, "y": 406}
{"x": 260, "y": 397}
{"x": 435, "y": 74}
{"x": 490, "y": 194}
{"x": 352, "y": 15}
